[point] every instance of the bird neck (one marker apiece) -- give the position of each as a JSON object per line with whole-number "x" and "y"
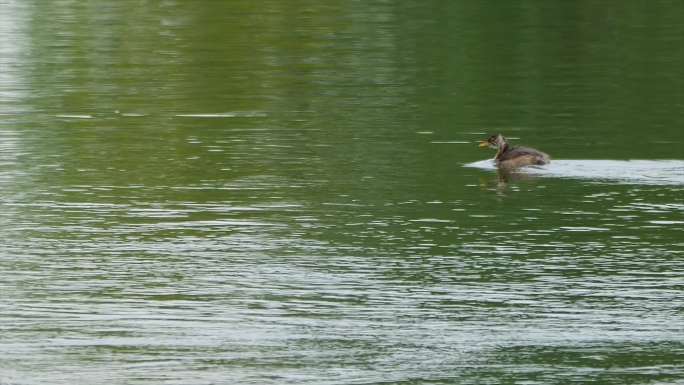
{"x": 502, "y": 149}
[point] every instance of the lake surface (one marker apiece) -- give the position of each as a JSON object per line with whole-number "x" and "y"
{"x": 276, "y": 193}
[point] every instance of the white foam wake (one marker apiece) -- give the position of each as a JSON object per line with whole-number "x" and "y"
{"x": 669, "y": 172}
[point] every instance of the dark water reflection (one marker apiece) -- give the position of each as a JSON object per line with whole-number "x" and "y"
{"x": 256, "y": 193}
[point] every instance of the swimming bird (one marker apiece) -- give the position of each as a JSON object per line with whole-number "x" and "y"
{"x": 510, "y": 157}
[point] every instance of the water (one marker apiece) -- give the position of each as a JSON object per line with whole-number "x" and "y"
{"x": 243, "y": 193}
{"x": 649, "y": 172}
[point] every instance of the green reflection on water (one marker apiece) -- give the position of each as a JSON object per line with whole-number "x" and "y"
{"x": 277, "y": 191}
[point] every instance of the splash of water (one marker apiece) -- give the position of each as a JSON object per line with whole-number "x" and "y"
{"x": 660, "y": 172}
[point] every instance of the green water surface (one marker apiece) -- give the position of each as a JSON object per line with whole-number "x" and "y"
{"x": 274, "y": 192}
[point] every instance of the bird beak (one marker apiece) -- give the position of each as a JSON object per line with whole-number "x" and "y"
{"x": 484, "y": 143}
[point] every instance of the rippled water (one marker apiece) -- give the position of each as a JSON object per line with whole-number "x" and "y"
{"x": 249, "y": 193}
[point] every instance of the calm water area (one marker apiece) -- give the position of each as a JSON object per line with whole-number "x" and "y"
{"x": 276, "y": 192}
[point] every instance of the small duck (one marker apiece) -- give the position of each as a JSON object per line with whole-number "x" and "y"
{"x": 513, "y": 157}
